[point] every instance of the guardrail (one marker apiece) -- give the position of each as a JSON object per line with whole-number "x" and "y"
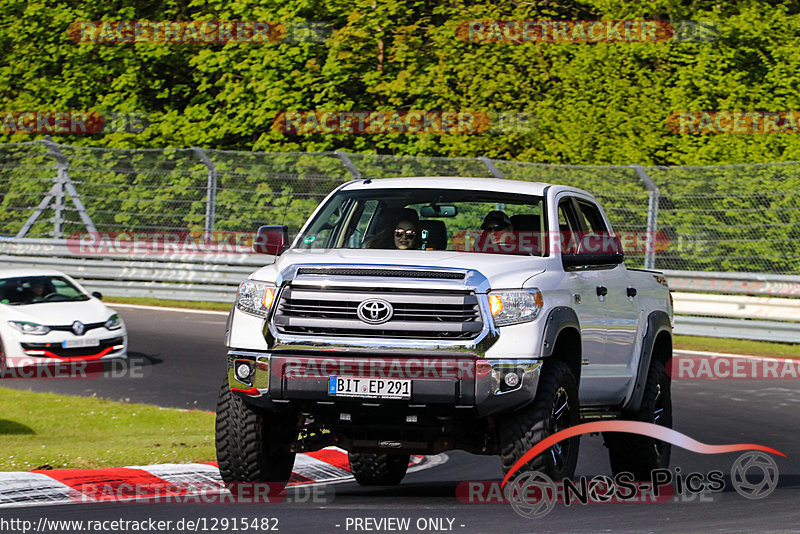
{"x": 706, "y": 303}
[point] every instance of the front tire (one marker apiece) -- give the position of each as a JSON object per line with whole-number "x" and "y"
{"x": 378, "y": 469}
{"x": 638, "y": 454}
{"x": 252, "y": 445}
{"x": 555, "y": 408}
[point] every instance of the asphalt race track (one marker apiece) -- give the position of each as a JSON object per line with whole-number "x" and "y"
{"x": 182, "y": 357}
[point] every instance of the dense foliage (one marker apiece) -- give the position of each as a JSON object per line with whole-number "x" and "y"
{"x": 602, "y": 103}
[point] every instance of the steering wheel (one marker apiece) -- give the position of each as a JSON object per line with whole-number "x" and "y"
{"x": 51, "y": 296}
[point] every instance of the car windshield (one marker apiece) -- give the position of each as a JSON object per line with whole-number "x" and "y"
{"x": 430, "y": 219}
{"x": 38, "y": 289}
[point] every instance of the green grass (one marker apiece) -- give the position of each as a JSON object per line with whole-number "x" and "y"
{"x": 44, "y": 429}
{"x": 737, "y": 346}
{"x": 148, "y": 301}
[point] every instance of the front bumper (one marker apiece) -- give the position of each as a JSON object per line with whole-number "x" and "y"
{"x": 300, "y": 379}
{"x": 24, "y": 351}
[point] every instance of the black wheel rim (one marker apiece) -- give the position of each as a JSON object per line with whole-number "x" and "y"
{"x": 659, "y": 418}
{"x": 561, "y": 418}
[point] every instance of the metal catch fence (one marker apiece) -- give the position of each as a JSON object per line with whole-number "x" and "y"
{"x": 729, "y": 218}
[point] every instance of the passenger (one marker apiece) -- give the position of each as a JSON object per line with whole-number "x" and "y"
{"x": 497, "y": 221}
{"x": 497, "y": 234}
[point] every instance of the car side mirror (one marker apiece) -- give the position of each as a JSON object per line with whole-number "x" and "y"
{"x": 271, "y": 239}
{"x": 97, "y": 295}
{"x": 595, "y": 250}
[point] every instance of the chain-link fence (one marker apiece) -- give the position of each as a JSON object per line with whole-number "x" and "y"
{"x": 741, "y": 218}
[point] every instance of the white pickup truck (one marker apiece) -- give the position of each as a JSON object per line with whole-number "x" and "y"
{"x": 419, "y": 315}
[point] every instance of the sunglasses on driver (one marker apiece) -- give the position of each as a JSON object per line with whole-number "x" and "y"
{"x": 400, "y": 232}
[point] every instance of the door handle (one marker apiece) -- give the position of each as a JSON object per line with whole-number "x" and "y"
{"x": 631, "y": 291}
{"x": 602, "y": 291}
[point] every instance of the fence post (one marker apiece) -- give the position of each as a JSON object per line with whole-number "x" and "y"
{"x": 652, "y": 216}
{"x": 489, "y": 164}
{"x": 211, "y": 190}
{"x": 348, "y": 164}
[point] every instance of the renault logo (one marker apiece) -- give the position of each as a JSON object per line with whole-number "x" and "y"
{"x": 78, "y": 328}
{"x": 374, "y": 311}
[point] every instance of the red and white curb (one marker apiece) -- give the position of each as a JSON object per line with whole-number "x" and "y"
{"x": 71, "y": 486}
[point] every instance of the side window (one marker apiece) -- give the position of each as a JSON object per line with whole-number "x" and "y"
{"x": 591, "y": 219}
{"x": 568, "y": 226}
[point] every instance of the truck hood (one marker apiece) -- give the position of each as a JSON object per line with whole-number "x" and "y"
{"x": 503, "y": 270}
{"x": 58, "y": 313}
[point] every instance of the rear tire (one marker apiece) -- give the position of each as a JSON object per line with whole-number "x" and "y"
{"x": 378, "y": 469}
{"x": 555, "y": 408}
{"x": 252, "y": 445}
{"x": 638, "y": 454}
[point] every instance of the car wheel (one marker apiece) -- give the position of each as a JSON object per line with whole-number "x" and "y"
{"x": 554, "y": 408}
{"x": 638, "y": 454}
{"x": 252, "y": 445}
{"x": 378, "y": 469}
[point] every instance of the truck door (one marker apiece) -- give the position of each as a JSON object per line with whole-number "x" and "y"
{"x": 620, "y": 306}
{"x": 582, "y": 285}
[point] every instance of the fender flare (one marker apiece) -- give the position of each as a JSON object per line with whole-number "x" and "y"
{"x": 558, "y": 319}
{"x": 657, "y": 322}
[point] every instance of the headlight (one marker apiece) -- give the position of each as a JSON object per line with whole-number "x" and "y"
{"x": 30, "y": 328}
{"x": 114, "y": 322}
{"x": 255, "y": 297}
{"x": 517, "y": 306}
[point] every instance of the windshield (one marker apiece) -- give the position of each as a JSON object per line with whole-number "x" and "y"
{"x": 430, "y": 219}
{"x": 37, "y": 289}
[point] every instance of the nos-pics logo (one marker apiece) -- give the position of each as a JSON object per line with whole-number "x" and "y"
{"x": 754, "y": 474}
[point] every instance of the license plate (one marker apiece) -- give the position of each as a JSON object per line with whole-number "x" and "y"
{"x": 378, "y": 388}
{"x": 81, "y": 342}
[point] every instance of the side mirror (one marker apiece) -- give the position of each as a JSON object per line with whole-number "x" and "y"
{"x": 97, "y": 295}
{"x": 271, "y": 239}
{"x": 594, "y": 250}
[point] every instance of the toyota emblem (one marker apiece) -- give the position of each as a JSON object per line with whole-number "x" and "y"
{"x": 374, "y": 311}
{"x": 78, "y": 328}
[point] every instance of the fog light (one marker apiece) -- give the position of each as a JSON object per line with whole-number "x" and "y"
{"x": 242, "y": 371}
{"x": 511, "y": 380}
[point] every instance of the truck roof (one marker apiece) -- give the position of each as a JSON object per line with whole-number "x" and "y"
{"x": 456, "y": 182}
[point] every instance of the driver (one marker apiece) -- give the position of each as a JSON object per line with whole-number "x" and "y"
{"x": 37, "y": 288}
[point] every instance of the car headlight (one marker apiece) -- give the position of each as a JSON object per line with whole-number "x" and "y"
{"x": 255, "y": 298}
{"x": 114, "y": 322}
{"x": 515, "y": 306}
{"x": 30, "y": 328}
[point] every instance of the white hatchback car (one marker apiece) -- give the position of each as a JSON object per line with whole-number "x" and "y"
{"x": 47, "y": 317}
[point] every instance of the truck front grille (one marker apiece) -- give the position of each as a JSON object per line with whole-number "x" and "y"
{"x": 417, "y": 314}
